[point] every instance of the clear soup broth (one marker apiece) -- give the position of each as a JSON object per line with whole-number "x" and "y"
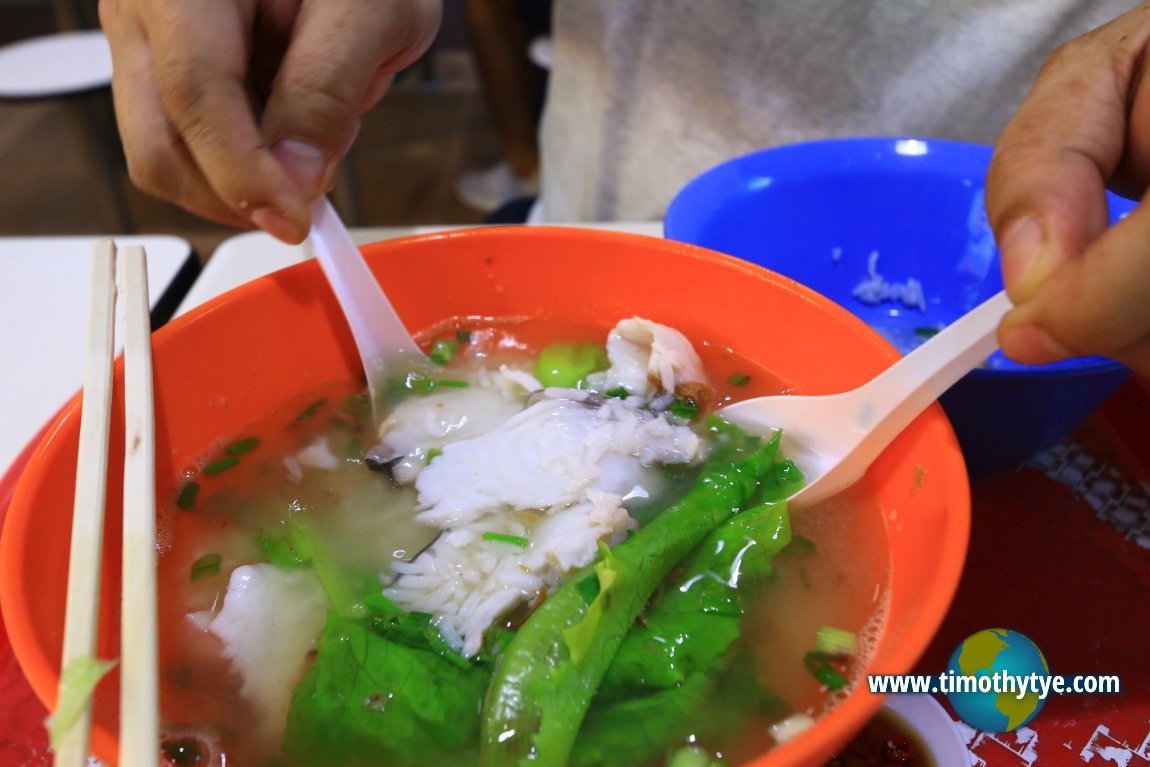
{"x": 239, "y": 499}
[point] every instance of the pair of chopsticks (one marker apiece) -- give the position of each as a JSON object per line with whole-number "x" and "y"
{"x": 139, "y": 690}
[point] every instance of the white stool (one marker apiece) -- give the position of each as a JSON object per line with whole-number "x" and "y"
{"x": 55, "y": 65}
{"x": 71, "y": 64}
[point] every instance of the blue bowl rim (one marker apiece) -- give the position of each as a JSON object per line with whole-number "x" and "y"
{"x": 874, "y": 149}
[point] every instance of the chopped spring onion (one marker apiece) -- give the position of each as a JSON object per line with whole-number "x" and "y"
{"x": 428, "y": 385}
{"x": 835, "y": 641}
{"x": 223, "y": 464}
{"x": 443, "y": 351}
{"x": 514, "y": 540}
{"x": 819, "y": 664}
{"x": 206, "y": 566}
{"x": 464, "y": 336}
{"x": 684, "y": 407}
{"x": 433, "y": 453}
{"x": 739, "y": 379}
{"x": 926, "y": 332}
{"x": 791, "y": 727}
{"x": 424, "y": 385}
{"x": 619, "y": 392}
{"x": 310, "y": 410}
{"x": 417, "y": 382}
{"x": 243, "y": 446}
{"x": 186, "y": 500}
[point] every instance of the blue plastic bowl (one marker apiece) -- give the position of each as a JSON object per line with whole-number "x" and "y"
{"x": 817, "y": 212}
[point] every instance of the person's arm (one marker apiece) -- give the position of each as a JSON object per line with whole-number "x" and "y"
{"x": 240, "y": 110}
{"x": 1077, "y": 287}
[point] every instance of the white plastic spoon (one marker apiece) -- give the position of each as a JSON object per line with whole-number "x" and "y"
{"x": 384, "y": 344}
{"x": 834, "y": 438}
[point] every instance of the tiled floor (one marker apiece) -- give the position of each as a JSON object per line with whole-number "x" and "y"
{"x": 431, "y": 127}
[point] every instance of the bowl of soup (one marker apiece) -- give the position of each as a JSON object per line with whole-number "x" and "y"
{"x": 543, "y": 545}
{"x": 895, "y": 230}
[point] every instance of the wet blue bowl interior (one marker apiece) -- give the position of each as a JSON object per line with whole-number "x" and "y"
{"x": 825, "y": 212}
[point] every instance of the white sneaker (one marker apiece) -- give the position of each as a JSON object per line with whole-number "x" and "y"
{"x": 485, "y": 190}
{"x": 541, "y": 52}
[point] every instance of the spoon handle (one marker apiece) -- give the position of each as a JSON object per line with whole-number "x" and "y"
{"x": 379, "y": 333}
{"x": 896, "y": 397}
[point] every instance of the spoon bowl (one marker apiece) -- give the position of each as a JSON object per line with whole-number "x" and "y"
{"x": 834, "y": 438}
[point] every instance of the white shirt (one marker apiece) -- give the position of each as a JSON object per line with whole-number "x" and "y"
{"x": 646, "y": 94}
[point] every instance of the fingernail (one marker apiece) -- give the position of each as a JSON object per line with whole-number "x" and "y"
{"x": 279, "y": 225}
{"x": 1023, "y": 265}
{"x": 305, "y": 163}
{"x": 1031, "y": 345}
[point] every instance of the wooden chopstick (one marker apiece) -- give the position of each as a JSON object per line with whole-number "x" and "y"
{"x": 84, "y": 562}
{"x": 139, "y": 686}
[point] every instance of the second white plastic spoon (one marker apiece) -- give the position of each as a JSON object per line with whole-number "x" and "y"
{"x": 834, "y": 438}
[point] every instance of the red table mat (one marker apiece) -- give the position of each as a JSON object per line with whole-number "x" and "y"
{"x": 1060, "y": 551}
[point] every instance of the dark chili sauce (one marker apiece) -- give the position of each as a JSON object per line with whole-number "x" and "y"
{"x": 886, "y": 741}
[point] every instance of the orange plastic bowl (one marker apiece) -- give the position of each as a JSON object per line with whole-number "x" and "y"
{"x": 252, "y": 350}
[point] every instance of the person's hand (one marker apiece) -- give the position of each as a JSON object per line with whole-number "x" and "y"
{"x": 1077, "y": 287}
{"x": 240, "y": 110}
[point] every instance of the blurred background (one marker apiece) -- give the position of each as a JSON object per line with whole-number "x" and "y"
{"x": 63, "y": 173}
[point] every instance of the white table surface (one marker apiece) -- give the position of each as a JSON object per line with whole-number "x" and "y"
{"x": 250, "y": 255}
{"x": 43, "y": 323}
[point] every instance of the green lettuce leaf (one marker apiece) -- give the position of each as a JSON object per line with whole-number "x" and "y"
{"x": 371, "y": 698}
{"x": 77, "y": 682}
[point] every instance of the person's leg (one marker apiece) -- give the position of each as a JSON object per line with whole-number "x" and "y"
{"x": 499, "y": 37}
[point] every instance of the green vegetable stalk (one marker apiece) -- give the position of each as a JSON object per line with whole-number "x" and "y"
{"x": 305, "y": 544}
{"x": 443, "y": 350}
{"x": 546, "y": 677}
{"x": 666, "y": 668}
{"x": 77, "y": 682}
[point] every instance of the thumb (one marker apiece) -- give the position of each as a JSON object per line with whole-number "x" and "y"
{"x": 340, "y": 53}
{"x": 1077, "y": 287}
{"x": 1098, "y": 303}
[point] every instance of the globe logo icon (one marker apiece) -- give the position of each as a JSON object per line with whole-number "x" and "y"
{"x": 996, "y": 659}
